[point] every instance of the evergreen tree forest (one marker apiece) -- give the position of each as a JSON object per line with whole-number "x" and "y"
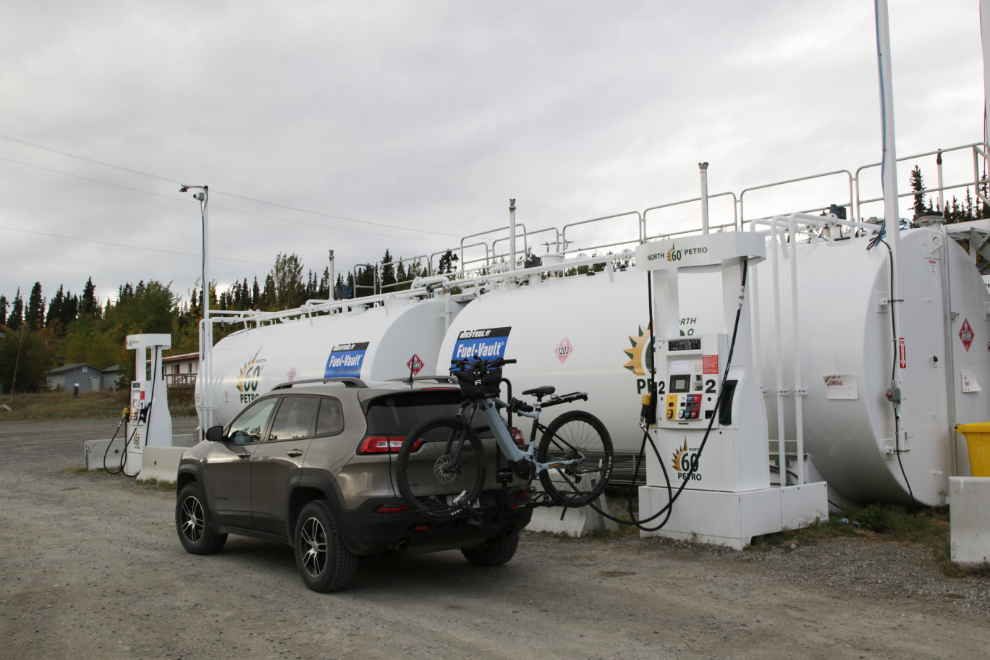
{"x": 42, "y": 333}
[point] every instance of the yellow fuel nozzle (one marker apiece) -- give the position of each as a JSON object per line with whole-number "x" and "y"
{"x": 126, "y": 413}
{"x": 647, "y": 399}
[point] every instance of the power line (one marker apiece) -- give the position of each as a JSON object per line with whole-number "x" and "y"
{"x": 133, "y": 247}
{"x": 214, "y": 206}
{"x": 217, "y": 192}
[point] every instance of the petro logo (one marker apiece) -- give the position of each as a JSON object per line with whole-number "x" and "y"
{"x": 247, "y": 381}
{"x": 684, "y": 461}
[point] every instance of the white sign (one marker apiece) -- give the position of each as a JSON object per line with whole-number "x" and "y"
{"x": 680, "y": 367}
{"x": 701, "y": 250}
{"x": 841, "y": 386}
{"x": 968, "y": 378}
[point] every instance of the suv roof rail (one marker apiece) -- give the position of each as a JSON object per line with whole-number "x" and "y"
{"x": 438, "y": 379}
{"x": 349, "y": 382}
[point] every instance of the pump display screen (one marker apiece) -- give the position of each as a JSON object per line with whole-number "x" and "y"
{"x": 680, "y": 383}
{"x": 684, "y": 345}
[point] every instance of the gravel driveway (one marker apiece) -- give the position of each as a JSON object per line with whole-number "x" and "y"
{"x": 91, "y": 568}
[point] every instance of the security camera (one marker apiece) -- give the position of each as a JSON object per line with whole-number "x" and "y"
{"x": 200, "y": 196}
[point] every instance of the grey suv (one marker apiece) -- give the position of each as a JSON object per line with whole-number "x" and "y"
{"x": 312, "y": 465}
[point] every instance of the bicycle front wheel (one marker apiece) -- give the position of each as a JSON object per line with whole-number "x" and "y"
{"x": 581, "y": 437}
{"x": 440, "y": 470}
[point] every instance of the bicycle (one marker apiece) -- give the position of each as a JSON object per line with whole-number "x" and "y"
{"x": 442, "y": 468}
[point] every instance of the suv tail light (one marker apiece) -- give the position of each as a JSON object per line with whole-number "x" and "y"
{"x": 385, "y": 508}
{"x": 518, "y": 437}
{"x": 384, "y": 444}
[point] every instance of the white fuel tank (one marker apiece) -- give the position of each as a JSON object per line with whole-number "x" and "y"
{"x": 374, "y": 345}
{"x": 591, "y": 334}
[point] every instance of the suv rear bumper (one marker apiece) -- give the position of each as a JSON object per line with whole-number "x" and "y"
{"x": 366, "y": 532}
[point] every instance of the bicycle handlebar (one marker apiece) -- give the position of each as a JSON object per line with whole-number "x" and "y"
{"x": 482, "y": 363}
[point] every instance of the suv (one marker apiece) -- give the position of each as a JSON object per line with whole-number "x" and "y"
{"x": 312, "y": 464}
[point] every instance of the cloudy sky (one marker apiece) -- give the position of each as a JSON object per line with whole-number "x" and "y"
{"x": 410, "y": 124}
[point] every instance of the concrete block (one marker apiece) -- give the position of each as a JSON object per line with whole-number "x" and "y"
{"x": 576, "y": 522}
{"x": 161, "y": 463}
{"x": 719, "y": 518}
{"x": 95, "y": 450}
{"x": 969, "y": 515}
{"x": 803, "y": 506}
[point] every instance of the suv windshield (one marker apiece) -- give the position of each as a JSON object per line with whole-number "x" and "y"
{"x": 397, "y": 414}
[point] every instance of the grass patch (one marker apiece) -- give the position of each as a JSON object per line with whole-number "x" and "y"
{"x": 54, "y": 406}
{"x": 883, "y": 522}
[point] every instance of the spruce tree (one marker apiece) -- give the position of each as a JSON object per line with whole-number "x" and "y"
{"x": 918, "y": 185}
{"x": 255, "y": 295}
{"x": 88, "y": 304}
{"x": 35, "y": 316}
{"x": 388, "y": 270}
{"x": 16, "y": 312}
{"x": 3, "y": 310}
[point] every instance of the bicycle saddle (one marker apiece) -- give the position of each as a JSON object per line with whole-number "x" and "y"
{"x": 540, "y": 391}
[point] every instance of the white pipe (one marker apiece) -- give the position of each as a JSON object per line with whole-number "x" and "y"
{"x": 798, "y": 408}
{"x": 891, "y": 209}
{"x": 781, "y": 390}
{"x": 332, "y": 283}
{"x": 754, "y": 292}
{"x": 985, "y": 36}
{"x": 208, "y": 354}
{"x": 941, "y": 199}
{"x": 512, "y": 234}
{"x": 704, "y": 197}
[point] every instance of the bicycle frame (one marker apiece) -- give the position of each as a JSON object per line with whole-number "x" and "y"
{"x": 489, "y": 408}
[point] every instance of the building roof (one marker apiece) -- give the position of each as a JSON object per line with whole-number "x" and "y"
{"x": 70, "y": 367}
{"x": 179, "y": 358}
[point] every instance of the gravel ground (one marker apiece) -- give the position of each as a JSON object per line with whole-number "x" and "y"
{"x": 91, "y": 568}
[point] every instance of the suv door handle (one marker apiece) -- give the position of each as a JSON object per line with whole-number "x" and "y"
{"x": 296, "y": 452}
{"x": 244, "y": 454}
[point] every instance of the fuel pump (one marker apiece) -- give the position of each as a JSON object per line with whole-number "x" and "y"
{"x": 150, "y": 423}
{"x": 711, "y": 423}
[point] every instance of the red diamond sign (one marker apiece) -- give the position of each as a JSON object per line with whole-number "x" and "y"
{"x": 966, "y": 334}
{"x": 415, "y": 364}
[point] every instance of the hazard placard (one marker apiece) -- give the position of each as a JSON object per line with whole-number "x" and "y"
{"x": 966, "y": 334}
{"x": 415, "y": 364}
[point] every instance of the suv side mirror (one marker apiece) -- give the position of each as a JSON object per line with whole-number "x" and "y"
{"x": 214, "y": 434}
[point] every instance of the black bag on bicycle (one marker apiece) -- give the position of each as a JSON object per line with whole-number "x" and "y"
{"x": 476, "y": 384}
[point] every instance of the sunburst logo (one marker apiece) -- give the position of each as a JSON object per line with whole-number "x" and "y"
{"x": 247, "y": 381}
{"x": 679, "y": 455}
{"x": 641, "y": 354}
{"x": 670, "y": 253}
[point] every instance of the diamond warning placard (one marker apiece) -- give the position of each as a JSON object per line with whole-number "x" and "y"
{"x": 415, "y": 364}
{"x": 966, "y": 334}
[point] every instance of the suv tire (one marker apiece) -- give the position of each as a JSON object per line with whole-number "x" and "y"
{"x": 497, "y": 552}
{"x": 324, "y": 563}
{"x": 192, "y": 523}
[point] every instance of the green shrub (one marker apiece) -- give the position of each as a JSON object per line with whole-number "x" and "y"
{"x": 875, "y": 518}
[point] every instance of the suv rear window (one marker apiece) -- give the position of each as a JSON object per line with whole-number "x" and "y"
{"x": 397, "y": 414}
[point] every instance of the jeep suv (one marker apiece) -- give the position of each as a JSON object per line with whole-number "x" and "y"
{"x": 312, "y": 464}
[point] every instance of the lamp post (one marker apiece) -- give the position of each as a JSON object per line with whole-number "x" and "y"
{"x": 206, "y": 328}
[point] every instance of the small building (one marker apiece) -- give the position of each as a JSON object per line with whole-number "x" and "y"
{"x": 89, "y": 378}
{"x": 181, "y": 370}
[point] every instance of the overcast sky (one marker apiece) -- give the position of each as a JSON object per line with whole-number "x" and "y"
{"x": 426, "y": 117}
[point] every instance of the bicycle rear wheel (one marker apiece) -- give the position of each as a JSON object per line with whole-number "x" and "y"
{"x": 576, "y": 435}
{"x": 440, "y": 470}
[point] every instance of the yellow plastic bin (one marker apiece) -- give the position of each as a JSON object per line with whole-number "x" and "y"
{"x": 978, "y": 441}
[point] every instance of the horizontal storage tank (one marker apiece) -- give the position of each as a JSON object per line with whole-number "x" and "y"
{"x": 374, "y": 345}
{"x": 591, "y": 334}
{"x": 847, "y": 354}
